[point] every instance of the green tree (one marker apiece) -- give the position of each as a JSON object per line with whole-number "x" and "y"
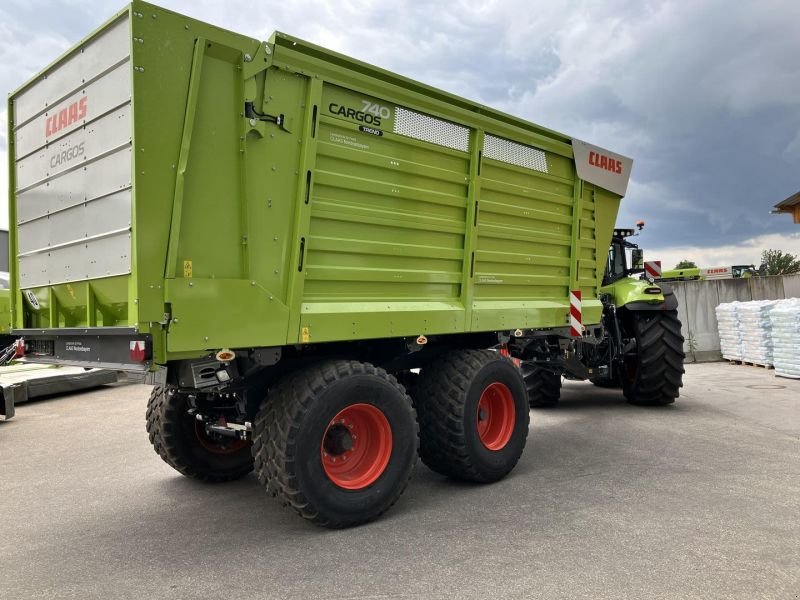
{"x": 686, "y": 264}
{"x": 777, "y": 262}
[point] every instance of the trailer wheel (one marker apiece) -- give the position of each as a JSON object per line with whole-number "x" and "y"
{"x": 182, "y": 443}
{"x": 336, "y": 442}
{"x": 653, "y": 374}
{"x": 473, "y": 415}
{"x": 544, "y": 387}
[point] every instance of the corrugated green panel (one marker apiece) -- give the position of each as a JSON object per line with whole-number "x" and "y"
{"x": 524, "y": 227}
{"x": 386, "y": 230}
{"x": 589, "y": 273}
{"x": 599, "y": 214}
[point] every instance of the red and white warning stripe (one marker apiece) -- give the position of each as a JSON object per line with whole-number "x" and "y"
{"x": 652, "y": 269}
{"x": 575, "y": 314}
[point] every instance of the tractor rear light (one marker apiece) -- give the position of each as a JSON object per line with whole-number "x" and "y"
{"x": 19, "y": 351}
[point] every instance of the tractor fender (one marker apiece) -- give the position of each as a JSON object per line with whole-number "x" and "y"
{"x": 670, "y": 301}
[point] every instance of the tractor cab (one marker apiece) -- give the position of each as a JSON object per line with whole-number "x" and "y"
{"x": 624, "y": 257}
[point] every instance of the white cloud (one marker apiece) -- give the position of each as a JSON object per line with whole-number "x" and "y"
{"x": 704, "y": 95}
{"x": 743, "y": 253}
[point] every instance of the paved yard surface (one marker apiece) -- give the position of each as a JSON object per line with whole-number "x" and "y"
{"x": 697, "y": 500}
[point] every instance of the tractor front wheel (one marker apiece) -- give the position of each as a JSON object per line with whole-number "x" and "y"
{"x": 652, "y": 375}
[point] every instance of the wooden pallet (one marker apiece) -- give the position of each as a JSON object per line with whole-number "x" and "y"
{"x": 749, "y": 364}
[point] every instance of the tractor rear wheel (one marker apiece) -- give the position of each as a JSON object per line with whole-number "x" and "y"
{"x": 336, "y": 442}
{"x": 544, "y": 387}
{"x": 473, "y": 415}
{"x": 653, "y": 374}
{"x": 182, "y": 442}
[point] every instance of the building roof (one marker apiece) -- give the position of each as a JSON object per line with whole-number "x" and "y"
{"x": 790, "y": 206}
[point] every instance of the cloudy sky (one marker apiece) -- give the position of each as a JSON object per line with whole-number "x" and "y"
{"x": 703, "y": 94}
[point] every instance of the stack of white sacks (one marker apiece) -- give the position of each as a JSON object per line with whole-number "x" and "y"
{"x": 785, "y": 320}
{"x": 730, "y": 336}
{"x": 755, "y": 328}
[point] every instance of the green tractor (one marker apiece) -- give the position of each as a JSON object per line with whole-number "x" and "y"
{"x": 638, "y": 347}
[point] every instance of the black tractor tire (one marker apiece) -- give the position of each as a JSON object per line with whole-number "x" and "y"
{"x": 292, "y": 431}
{"x": 654, "y": 375}
{"x": 543, "y": 387}
{"x": 179, "y": 439}
{"x": 409, "y": 380}
{"x": 450, "y": 397}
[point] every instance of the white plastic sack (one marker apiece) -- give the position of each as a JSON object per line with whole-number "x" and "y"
{"x": 785, "y": 323}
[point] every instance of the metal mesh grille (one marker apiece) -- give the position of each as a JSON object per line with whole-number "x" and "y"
{"x": 430, "y": 129}
{"x": 514, "y": 153}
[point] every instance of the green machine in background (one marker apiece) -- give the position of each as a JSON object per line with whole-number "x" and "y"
{"x": 21, "y": 382}
{"x": 281, "y": 236}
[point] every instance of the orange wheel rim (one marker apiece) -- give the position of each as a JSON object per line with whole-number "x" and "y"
{"x": 496, "y": 416}
{"x": 356, "y": 446}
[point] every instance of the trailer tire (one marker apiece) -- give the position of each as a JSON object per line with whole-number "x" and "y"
{"x": 409, "y": 380}
{"x": 473, "y": 415}
{"x": 314, "y": 420}
{"x": 176, "y": 438}
{"x": 654, "y": 375}
{"x": 543, "y": 387}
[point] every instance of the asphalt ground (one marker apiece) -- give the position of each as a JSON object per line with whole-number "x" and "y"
{"x": 697, "y": 500}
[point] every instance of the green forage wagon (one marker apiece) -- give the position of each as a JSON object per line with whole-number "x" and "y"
{"x": 313, "y": 258}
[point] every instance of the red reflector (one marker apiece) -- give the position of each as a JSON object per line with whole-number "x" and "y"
{"x": 137, "y": 351}
{"x": 20, "y": 348}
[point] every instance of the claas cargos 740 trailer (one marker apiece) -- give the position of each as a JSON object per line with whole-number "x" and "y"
{"x": 281, "y": 236}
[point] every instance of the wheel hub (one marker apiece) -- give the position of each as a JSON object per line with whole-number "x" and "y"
{"x": 496, "y": 416}
{"x": 338, "y": 440}
{"x": 356, "y": 446}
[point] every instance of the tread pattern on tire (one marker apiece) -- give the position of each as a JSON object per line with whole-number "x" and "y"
{"x": 275, "y": 433}
{"x": 543, "y": 387}
{"x": 164, "y": 411}
{"x": 443, "y": 446}
{"x": 660, "y": 359}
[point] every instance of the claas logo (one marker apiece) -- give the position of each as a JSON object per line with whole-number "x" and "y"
{"x": 65, "y": 117}
{"x": 602, "y": 161}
